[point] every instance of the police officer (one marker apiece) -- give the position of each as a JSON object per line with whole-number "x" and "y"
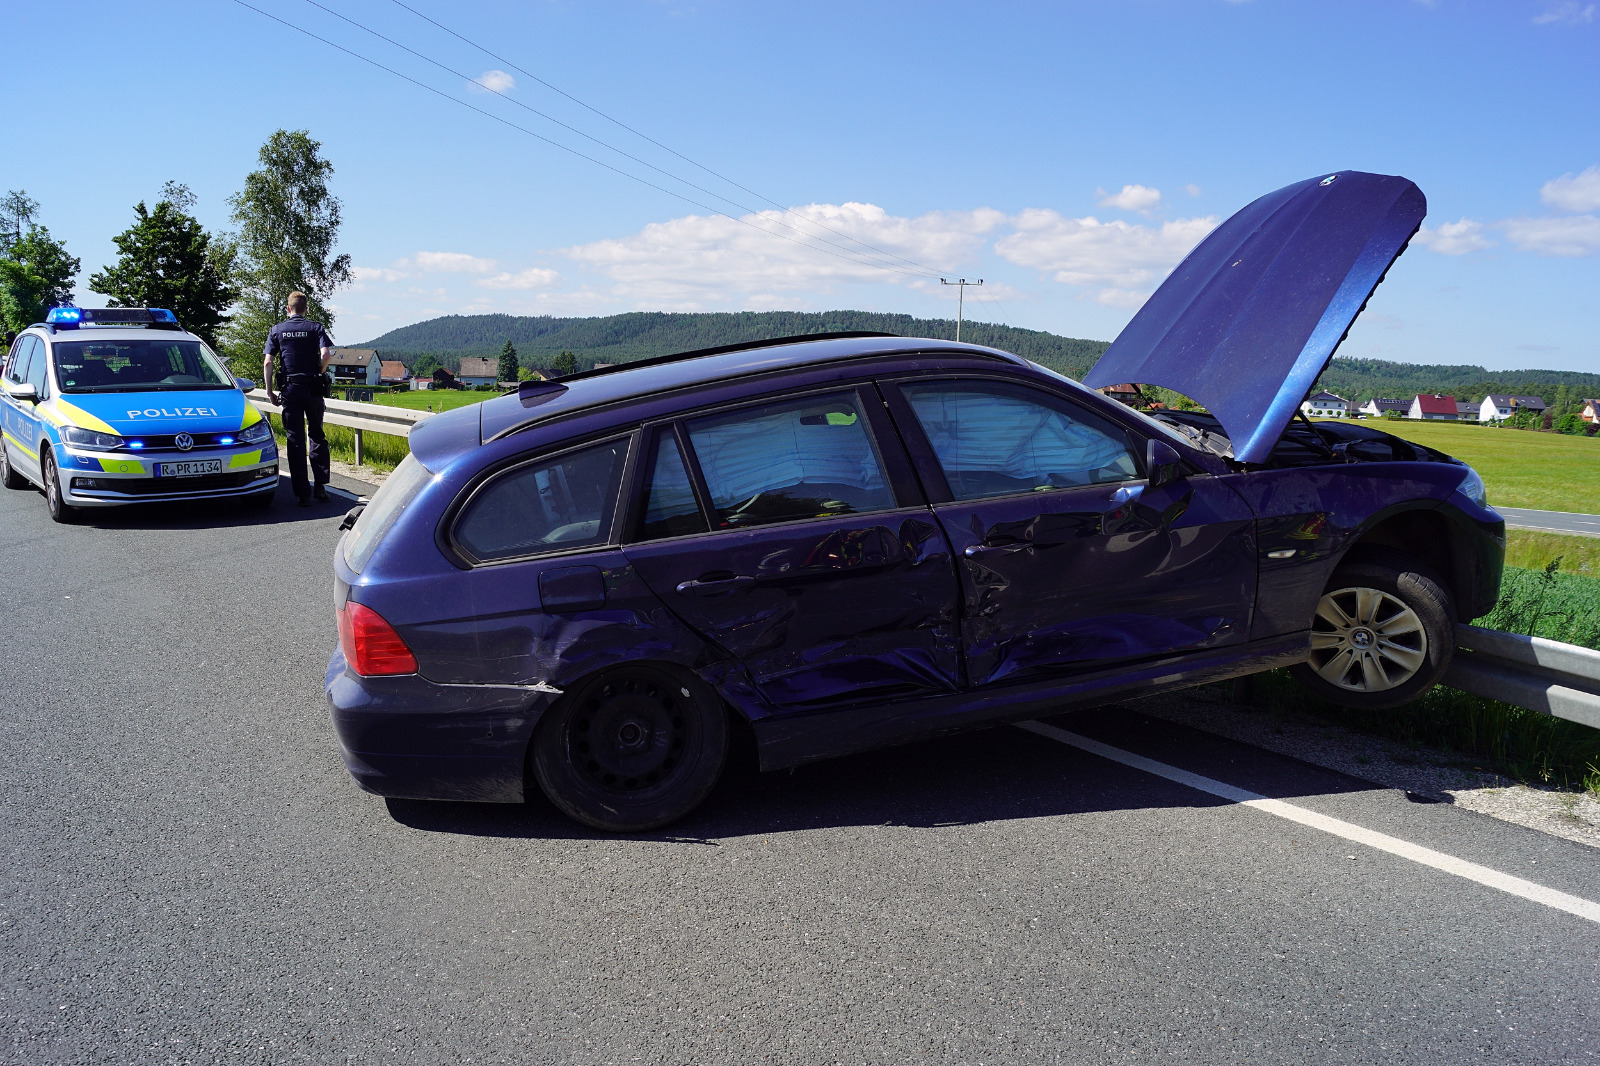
{"x": 304, "y": 348}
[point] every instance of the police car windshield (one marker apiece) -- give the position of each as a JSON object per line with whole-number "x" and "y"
{"x": 138, "y": 365}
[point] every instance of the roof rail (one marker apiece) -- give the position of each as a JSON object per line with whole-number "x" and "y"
{"x": 658, "y": 360}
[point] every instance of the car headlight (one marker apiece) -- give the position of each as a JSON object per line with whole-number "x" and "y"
{"x": 88, "y": 438}
{"x": 255, "y": 434}
{"x": 1472, "y": 488}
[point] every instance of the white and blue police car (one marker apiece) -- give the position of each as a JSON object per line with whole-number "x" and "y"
{"x": 102, "y": 407}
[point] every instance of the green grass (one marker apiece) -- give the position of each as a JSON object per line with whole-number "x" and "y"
{"x": 431, "y": 399}
{"x": 1522, "y": 468}
{"x": 379, "y": 451}
{"x": 1535, "y": 550}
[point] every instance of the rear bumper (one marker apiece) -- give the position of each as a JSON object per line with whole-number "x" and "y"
{"x": 409, "y": 738}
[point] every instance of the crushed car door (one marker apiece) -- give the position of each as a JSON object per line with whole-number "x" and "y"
{"x": 1069, "y": 559}
{"x": 790, "y": 534}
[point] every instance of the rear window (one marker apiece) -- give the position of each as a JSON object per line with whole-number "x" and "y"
{"x": 562, "y": 502}
{"x": 379, "y": 517}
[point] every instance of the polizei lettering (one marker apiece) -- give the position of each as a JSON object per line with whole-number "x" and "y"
{"x": 173, "y": 412}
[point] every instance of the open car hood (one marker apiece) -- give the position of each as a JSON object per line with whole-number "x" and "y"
{"x": 1249, "y": 320}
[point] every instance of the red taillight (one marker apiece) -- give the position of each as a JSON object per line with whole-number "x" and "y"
{"x": 371, "y": 646}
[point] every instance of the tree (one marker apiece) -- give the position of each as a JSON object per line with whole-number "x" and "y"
{"x": 288, "y": 225}
{"x": 17, "y": 211}
{"x": 168, "y": 260}
{"x": 507, "y": 370}
{"x": 425, "y": 366}
{"x": 564, "y": 365}
{"x": 36, "y": 274}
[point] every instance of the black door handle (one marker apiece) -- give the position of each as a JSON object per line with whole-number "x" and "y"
{"x": 712, "y": 586}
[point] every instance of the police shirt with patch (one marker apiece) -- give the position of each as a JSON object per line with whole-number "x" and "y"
{"x": 299, "y": 341}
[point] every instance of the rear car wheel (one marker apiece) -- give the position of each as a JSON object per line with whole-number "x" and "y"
{"x": 60, "y": 509}
{"x": 1384, "y": 633}
{"x": 8, "y": 473}
{"x": 631, "y": 749}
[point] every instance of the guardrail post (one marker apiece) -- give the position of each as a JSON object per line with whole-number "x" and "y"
{"x": 358, "y": 446}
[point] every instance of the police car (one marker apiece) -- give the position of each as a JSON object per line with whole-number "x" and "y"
{"x": 121, "y": 405}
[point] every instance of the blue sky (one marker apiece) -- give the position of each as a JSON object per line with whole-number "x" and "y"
{"x": 1067, "y": 153}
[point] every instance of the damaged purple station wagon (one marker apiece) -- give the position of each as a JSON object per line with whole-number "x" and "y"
{"x": 849, "y": 541}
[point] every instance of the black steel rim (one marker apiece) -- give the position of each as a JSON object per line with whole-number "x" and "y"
{"x": 629, "y": 735}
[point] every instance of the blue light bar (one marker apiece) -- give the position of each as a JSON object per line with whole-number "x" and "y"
{"x": 63, "y": 317}
{"x": 161, "y": 314}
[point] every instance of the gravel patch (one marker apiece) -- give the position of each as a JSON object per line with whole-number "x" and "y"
{"x": 1425, "y": 774}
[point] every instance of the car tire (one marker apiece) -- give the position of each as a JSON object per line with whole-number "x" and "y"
{"x": 1383, "y": 633}
{"x": 9, "y": 475}
{"x": 60, "y": 509}
{"x": 631, "y": 748}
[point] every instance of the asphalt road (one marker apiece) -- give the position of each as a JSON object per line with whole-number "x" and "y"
{"x": 1550, "y": 521}
{"x": 191, "y": 877}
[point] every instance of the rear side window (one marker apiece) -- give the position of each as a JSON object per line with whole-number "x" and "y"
{"x": 791, "y": 460}
{"x": 565, "y": 501}
{"x": 994, "y": 439}
{"x": 670, "y": 509}
{"x": 36, "y": 369}
{"x": 378, "y": 517}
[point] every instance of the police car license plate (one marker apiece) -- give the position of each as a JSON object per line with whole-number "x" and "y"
{"x": 189, "y": 468}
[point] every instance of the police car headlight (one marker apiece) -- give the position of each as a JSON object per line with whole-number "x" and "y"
{"x": 255, "y": 434}
{"x": 88, "y": 438}
{"x": 1472, "y": 488}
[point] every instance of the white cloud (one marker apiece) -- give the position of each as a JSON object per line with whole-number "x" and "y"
{"x": 1454, "y": 238}
{"x": 1573, "y": 192}
{"x": 1124, "y": 261}
{"x": 451, "y": 263}
{"x": 494, "y": 81}
{"x": 364, "y": 274}
{"x": 700, "y": 261}
{"x": 1567, "y": 238}
{"x": 532, "y": 278}
{"x": 1140, "y": 198}
{"x": 1568, "y": 13}
{"x": 1192, "y": 189}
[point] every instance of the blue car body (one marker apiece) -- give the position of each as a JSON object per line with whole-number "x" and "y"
{"x": 877, "y": 589}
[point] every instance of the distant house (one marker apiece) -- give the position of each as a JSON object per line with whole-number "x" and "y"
{"x": 1326, "y": 405}
{"x": 1495, "y": 407}
{"x": 1379, "y": 405}
{"x": 1434, "y": 408}
{"x": 354, "y": 366}
{"x": 1127, "y": 393}
{"x": 1591, "y": 411}
{"x": 392, "y": 372}
{"x": 1535, "y": 404}
{"x": 476, "y": 372}
{"x": 1466, "y": 411}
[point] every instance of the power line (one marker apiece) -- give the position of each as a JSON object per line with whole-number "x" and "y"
{"x": 589, "y": 137}
{"x": 565, "y": 148}
{"x": 644, "y": 136}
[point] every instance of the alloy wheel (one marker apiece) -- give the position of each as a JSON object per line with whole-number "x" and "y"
{"x": 1366, "y": 640}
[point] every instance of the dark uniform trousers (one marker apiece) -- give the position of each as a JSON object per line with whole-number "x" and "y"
{"x": 302, "y": 417}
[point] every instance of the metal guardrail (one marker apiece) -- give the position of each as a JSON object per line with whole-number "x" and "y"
{"x": 361, "y": 417}
{"x": 1558, "y": 679}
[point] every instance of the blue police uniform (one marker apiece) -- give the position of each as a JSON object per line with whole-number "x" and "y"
{"x": 297, "y": 341}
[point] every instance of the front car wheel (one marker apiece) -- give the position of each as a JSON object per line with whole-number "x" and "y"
{"x": 60, "y": 509}
{"x": 1383, "y": 634}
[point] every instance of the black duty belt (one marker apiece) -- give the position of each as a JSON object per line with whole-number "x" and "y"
{"x": 304, "y": 379}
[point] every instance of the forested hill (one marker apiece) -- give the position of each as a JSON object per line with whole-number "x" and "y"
{"x": 624, "y": 338}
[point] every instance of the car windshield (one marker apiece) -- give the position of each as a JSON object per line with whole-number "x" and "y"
{"x": 142, "y": 364}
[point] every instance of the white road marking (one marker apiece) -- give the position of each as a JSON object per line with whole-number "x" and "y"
{"x": 1483, "y": 875}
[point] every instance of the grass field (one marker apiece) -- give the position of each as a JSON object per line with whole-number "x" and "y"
{"x": 1548, "y": 471}
{"x": 1533, "y": 550}
{"x": 434, "y": 400}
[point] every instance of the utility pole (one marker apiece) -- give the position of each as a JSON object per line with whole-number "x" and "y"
{"x": 961, "y": 293}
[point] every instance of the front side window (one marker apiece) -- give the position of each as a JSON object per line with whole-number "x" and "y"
{"x": 565, "y": 501}
{"x": 790, "y": 460}
{"x": 17, "y": 372}
{"x": 994, "y": 439}
{"x": 142, "y": 365}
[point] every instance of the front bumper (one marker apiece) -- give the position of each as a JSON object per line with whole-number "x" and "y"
{"x": 409, "y": 738}
{"x": 107, "y": 479}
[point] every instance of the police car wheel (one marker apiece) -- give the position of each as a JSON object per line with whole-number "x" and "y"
{"x": 8, "y": 473}
{"x": 60, "y": 509}
{"x": 631, "y": 749}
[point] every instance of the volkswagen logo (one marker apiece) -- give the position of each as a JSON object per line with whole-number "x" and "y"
{"x": 183, "y": 441}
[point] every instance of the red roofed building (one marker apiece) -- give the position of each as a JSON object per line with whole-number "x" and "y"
{"x": 1435, "y": 407}
{"x": 392, "y": 372}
